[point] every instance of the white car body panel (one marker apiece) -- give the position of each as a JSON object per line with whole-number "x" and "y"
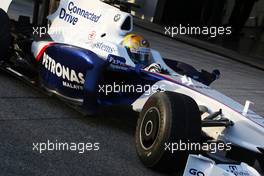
{"x": 108, "y": 22}
{"x": 5, "y": 4}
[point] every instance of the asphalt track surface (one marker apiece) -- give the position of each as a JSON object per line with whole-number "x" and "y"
{"x": 27, "y": 116}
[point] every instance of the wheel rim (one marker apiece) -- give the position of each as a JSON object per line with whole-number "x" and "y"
{"x": 149, "y": 128}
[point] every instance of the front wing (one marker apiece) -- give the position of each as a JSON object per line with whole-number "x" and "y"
{"x": 199, "y": 165}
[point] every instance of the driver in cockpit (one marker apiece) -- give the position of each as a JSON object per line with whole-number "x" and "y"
{"x": 138, "y": 49}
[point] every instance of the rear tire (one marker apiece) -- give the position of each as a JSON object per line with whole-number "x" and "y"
{"x": 167, "y": 118}
{"x": 5, "y": 35}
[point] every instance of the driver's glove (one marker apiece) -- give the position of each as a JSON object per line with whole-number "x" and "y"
{"x": 156, "y": 68}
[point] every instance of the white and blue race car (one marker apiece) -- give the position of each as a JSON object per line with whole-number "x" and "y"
{"x": 182, "y": 121}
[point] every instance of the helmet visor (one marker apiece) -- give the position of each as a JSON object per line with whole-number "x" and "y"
{"x": 141, "y": 56}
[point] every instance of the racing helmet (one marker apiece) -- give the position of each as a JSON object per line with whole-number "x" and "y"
{"x": 138, "y": 48}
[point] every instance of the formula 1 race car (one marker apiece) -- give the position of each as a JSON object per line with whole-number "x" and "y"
{"x": 182, "y": 121}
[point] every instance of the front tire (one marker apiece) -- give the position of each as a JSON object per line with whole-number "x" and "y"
{"x": 167, "y": 118}
{"x": 5, "y": 34}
